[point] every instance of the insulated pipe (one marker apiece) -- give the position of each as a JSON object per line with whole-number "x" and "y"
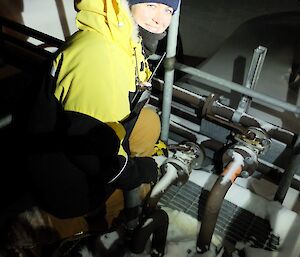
{"x": 169, "y": 74}
{"x": 215, "y": 200}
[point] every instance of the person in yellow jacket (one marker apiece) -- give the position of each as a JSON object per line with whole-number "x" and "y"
{"x": 77, "y": 121}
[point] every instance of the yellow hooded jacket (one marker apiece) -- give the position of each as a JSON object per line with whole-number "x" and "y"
{"x": 101, "y": 63}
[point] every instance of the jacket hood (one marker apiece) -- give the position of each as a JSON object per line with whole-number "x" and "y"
{"x": 109, "y": 17}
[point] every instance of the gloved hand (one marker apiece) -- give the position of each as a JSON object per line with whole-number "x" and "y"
{"x": 139, "y": 170}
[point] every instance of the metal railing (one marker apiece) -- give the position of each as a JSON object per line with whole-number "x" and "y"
{"x": 214, "y": 81}
{"x": 207, "y": 78}
{"x": 18, "y": 39}
{"x": 26, "y": 32}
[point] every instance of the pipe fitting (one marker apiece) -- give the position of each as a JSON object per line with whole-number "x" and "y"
{"x": 169, "y": 63}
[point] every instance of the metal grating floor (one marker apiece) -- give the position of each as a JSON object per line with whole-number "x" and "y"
{"x": 234, "y": 223}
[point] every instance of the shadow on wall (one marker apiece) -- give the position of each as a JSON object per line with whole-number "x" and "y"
{"x": 280, "y": 29}
{"x": 13, "y": 9}
{"x": 278, "y": 32}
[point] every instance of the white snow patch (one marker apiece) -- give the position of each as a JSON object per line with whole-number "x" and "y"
{"x": 181, "y": 226}
{"x": 238, "y": 161}
{"x": 148, "y": 221}
{"x": 183, "y": 229}
{"x": 109, "y": 238}
{"x": 165, "y": 181}
{"x": 86, "y": 252}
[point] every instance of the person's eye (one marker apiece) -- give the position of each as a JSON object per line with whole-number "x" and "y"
{"x": 169, "y": 11}
{"x": 151, "y": 5}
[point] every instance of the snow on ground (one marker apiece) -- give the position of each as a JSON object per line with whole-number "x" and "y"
{"x": 183, "y": 229}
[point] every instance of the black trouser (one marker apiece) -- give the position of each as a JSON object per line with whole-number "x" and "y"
{"x": 155, "y": 223}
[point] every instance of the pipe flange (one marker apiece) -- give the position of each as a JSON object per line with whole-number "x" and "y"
{"x": 256, "y": 139}
{"x": 250, "y": 162}
{"x": 207, "y": 107}
{"x": 183, "y": 170}
{"x": 189, "y": 153}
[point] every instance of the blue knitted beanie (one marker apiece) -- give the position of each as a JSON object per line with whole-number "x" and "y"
{"x": 171, "y": 3}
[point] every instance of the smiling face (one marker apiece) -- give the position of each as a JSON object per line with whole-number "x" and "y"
{"x": 154, "y": 17}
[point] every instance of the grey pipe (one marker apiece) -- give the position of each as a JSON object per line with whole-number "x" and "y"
{"x": 236, "y": 87}
{"x": 169, "y": 74}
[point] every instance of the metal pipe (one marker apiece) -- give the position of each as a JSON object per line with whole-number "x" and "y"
{"x": 287, "y": 177}
{"x": 215, "y": 110}
{"x": 241, "y": 160}
{"x": 169, "y": 74}
{"x": 236, "y": 87}
{"x": 176, "y": 172}
{"x": 226, "y": 112}
{"x": 214, "y": 203}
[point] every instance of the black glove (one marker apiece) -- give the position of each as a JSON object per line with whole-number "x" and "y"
{"x": 138, "y": 170}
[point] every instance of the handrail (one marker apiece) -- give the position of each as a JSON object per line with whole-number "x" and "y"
{"x": 25, "y": 44}
{"x": 238, "y": 88}
{"x": 29, "y": 32}
{"x": 22, "y": 30}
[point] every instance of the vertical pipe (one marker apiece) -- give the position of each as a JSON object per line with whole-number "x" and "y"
{"x": 169, "y": 74}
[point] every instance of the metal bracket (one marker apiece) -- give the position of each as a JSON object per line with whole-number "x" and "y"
{"x": 252, "y": 78}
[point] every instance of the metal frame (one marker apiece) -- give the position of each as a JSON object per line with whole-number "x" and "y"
{"x": 211, "y": 80}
